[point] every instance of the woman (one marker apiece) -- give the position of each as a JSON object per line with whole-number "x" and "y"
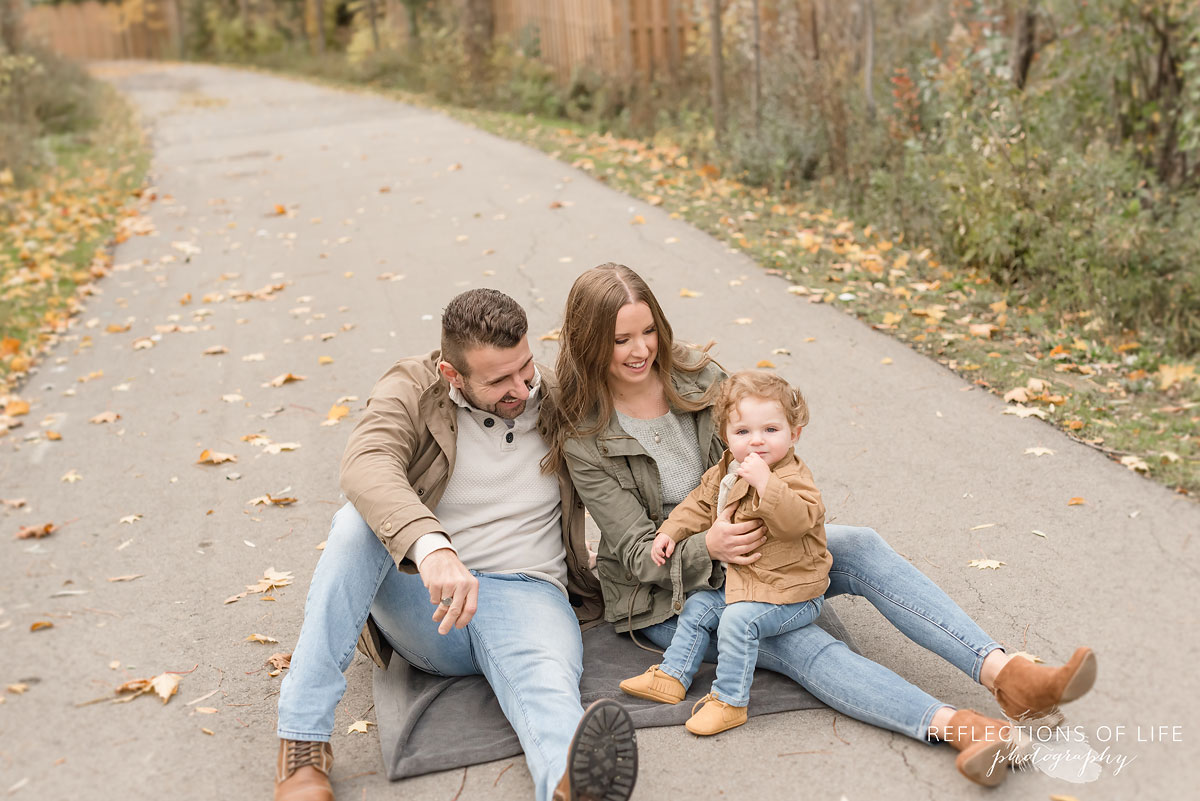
{"x": 635, "y": 429}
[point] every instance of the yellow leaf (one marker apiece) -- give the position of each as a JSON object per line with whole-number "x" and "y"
{"x": 6, "y": 177}
{"x": 114, "y": 328}
{"x": 216, "y": 350}
{"x": 743, "y": 321}
{"x": 1076, "y": 502}
{"x": 16, "y": 408}
{"x": 885, "y": 360}
{"x": 71, "y": 476}
{"x": 550, "y": 336}
{"x": 53, "y": 435}
{"x": 1171, "y": 374}
{"x": 359, "y": 726}
{"x": 280, "y": 380}
{"x": 41, "y": 624}
{"x": 688, "y": 293}
{"x": 325, "y": 360}
{"x": 280, "y": 209}
{"x": 765, "y": 363}
{"x": 985, "y": 564}
{"x": 131, "y": 519}
{"x": 337, "y": 412}
{"x": 215, "y": 457}
{"x": 105, "y": 417}
{"x": 262, "y": 638}
{"x": 132, "y": 577}
{"x": 638, "y": 220}
{"x": 36, "y": 532}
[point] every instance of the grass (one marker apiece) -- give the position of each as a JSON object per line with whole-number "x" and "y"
{"x": 57, "y": 226}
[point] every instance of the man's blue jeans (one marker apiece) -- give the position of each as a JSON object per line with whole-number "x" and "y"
{"x": 739, "y": 627}
{"x": 863, "y": 564}
{"x": 524, "y": 639}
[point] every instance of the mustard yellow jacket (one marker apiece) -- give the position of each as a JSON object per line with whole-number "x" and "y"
{"x": 795, "y": 561}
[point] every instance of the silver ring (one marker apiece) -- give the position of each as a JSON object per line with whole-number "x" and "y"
{"x": 448, "y": 601}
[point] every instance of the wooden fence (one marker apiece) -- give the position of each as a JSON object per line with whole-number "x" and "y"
{"x": 633, "y": 39}
{"x": 91, "y": 30}
{"x": 628, "y": 38}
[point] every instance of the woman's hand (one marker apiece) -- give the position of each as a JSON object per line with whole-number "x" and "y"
{"x": 662, "y": 549}
{"x": 734, "y": 543}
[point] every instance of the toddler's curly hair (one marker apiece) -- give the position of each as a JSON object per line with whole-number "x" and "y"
{"x": 759, "y": 384}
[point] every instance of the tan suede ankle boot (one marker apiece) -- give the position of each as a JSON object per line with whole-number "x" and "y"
{"x": 985, "y": 745}
{"x": 1030, "y": 693}
{"x": 715, "y": 716}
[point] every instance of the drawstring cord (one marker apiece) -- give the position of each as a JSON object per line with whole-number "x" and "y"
{"x": 629, "y": 620}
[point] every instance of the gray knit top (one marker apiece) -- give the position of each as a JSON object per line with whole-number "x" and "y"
{"x": 672, "y": 443}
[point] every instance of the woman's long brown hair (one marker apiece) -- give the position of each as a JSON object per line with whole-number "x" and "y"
{"x": 586, "y": 344}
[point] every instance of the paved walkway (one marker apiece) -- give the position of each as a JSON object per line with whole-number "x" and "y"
{"x": 387, "y": 212}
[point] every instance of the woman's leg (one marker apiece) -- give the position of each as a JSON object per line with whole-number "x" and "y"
{"x": 694, "y": 630}
{"x": 865, "y": 565}
{"x": 849, "y": 682}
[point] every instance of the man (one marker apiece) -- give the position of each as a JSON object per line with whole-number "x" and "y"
{"x": 444, "y": 480}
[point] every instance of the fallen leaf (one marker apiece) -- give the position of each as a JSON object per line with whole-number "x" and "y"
{"x": 207, "y": 731}
{"x": 688, "y": 293}
{"x": 638, "y": 220}
{"x": 982, "y": 330}
{"x": 105, "y": 417}
{"x": 270, "y": 580}
{"x": 71, "y": 476}
{"x": 1135, "y": 463}
{"x": 981, "y": 527}
{"x": 16, "y": 408}
{"x": 1025, "y": 411}
{"x": 254, "y": 357}
{"x": 131, "y": 518}
{"x": 1076, "y": 502}
{"x": 1039, "y": 451}
{"x": 280, "y": 380}
{"x": 53, "y": 436}
{"x": 280, "y": 210}
{"x": 216, "y": 350}
{"x": 359, "y": 726}
{"x": 262, "y": 638}
{"x": 215, "y": 457}
{"x": 165, "y": 685}
{"x": 1018, "y": 395}
{"x": 781, "y": 352}
{"x": 269, "y": 500}
{"x": 206, "y": 710}
{"x": 337, "y": 412}
{"x": 132, "y": 577}
{"x": 232, "y": 397}
{"x": 13, "y": 503}
{"x": 36, "y": 532}
{"x": 116, "y": 328}
{"x": 323, "y": 360}
{"x": 765, "y": 364}
{"x": 41, "y": 624}
{"x": 278, "y": 447}
{"x": 885, "y": 360}
{"x": 743, "y": 321}
{"x": 280, "y": 661}
{"x": 1171, "y": 374}
{"x": 17, "y": 689}
{"x": 551, "y": 335}
{"x": 985, "y": 564}
{"x": 1041, "y": 534}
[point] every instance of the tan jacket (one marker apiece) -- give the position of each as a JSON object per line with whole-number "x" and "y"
{"x": 399, "y": 460}
{"x": 795, "y": 562}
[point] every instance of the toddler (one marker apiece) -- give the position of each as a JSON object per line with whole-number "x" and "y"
{"x": 758, "y": 478}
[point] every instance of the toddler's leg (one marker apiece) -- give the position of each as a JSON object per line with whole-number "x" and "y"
{"x": 696, "y": 625}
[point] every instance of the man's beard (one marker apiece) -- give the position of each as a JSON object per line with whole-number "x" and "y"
{"x": 505, "y": 412}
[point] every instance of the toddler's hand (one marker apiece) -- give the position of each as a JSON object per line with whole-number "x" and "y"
{"x": 756, "y": 471}
{"x": 663, "y": 547}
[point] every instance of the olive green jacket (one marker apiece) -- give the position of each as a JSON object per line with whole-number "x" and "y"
{"x": 398, "y": 462}
{"x": 620, "y": 485}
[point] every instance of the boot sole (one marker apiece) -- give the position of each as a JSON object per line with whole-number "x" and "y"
{"x": 602, "y": 763}
{"x": 1084, "y": 678}
{"x": 979, "y": 764}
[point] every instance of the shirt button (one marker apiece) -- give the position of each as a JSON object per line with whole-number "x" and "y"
{"x": 387, "y": 526}
{"x": 489, "y": 422}
{"x": 508, "y": 437}
{"x": 678, "y": 606}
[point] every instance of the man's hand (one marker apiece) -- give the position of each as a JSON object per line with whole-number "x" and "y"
{"x": 731, "y": 542}
{"x": 756, "y": 471}
{"x": 445, "y": 576}
{"x": 663, "y": 547}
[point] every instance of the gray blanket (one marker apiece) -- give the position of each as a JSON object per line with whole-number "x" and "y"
{"x": 420, "y": 715}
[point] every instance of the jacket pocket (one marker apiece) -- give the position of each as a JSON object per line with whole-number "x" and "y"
{"x": 784, "y": 565}
{"x": 622, "y": 591}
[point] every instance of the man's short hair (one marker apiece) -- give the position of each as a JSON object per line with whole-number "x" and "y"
{"x": 480, "y": 317}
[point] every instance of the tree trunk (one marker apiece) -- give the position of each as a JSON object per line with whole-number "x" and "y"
{"x": 374, "y": 26}
{"x": 756, "y": 95}
{"x": 11, "y": 14}
{"x": 412, "y": 7}
{"x": 319, "y": 42}
{"x": 717, "y": 68}
{"x": 673, "y": 38}
{"x": 869, "y": 59}
{"x": 1023, "y": 46}
{"x": 477, "y": 29}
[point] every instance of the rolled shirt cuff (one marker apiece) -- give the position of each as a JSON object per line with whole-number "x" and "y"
{"x": 427, "y": 544}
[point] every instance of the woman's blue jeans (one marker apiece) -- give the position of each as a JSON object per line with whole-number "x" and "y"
{"x": 865, "y": 565}
{"x": 524, "y": 639}
{"x": 738, "y": 627}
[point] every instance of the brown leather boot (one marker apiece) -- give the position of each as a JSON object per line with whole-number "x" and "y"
{"x": 1030, "y": 693}
{"x": 985, "y": 744}
{"x": 302, "y": 771}
{"x": 602, "y": 761}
